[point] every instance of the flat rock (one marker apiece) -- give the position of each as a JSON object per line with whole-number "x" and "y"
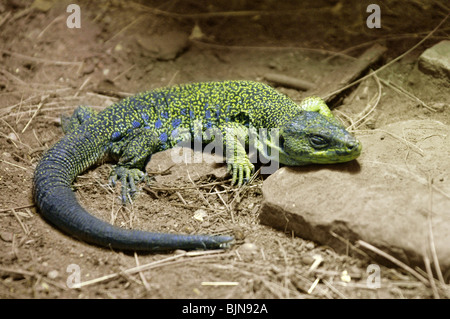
{"x": 185, "y": 164}
{"x": 436, "y": 60}
{"x": 385, "y": 197}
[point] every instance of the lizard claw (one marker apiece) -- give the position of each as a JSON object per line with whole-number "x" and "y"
{"x": 240, "y": 172}
{"x": 128, "y": 178}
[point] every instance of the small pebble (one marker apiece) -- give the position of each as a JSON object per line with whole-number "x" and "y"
{"x": 439, "y": 107}
{"x": 6, "y": 236}
{"x": 199, "y": 214}
{"x": 248, "y": 249}
{"x": 345, "y": 277}
{"x": 307, "y": 260}
{"x": 12, "y": 136}
{"x": 179, "y": 252}
{"x": 53, "y": 274}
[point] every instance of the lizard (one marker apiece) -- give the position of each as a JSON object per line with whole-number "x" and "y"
{"x": 131, "y": 130}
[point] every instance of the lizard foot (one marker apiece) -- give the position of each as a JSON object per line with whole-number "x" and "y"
{"x": 240, "y": 172}
{"x": 128, "y": 178}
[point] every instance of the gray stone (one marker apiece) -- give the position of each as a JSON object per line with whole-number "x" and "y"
{"x": 383, "y": 198}
{"x": 164, "y": 47}
{"x": 436, "y": 60}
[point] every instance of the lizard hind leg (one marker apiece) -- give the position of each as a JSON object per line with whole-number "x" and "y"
{"x": 316, "y": 104}
{"x": 128, "y": 178}
{"x": 134, "y": 153}
{"x": 79, "y": 116}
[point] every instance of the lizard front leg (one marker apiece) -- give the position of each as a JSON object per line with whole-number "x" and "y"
{"x": 239, "y": 165}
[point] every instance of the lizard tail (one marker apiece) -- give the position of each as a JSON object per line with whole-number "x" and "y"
{"x": 57, "y": 203}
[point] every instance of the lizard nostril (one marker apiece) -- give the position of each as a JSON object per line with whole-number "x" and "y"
{"x": 352, "y": 146}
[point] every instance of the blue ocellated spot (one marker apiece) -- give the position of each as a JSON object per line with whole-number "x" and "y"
{"x": 208, "y": 114}
{"x": 191, "y": 114}
{"x": 176, "y": 122}
{"x": 175, "y": 133}
{"x": 158, "y": 123}
{"x": 137, "y": 103}
{"x": 183, "y": 111}
{"x": 144, "y": 116}
{"x": 165, "y": 115}
{"x": 209, "y": 124}
{"x": 136, "y": 124}
{"x": 115, "y": 136}
{"x": 163, "y": 137}
{"x": 217, "y": 114}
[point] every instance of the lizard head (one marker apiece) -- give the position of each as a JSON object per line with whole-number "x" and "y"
{"x": 311, "y": 137}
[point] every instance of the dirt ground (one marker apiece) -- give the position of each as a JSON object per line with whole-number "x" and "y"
{"x": 48, "y": 69}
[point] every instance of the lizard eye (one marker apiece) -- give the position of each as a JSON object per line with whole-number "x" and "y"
{"x": 318, "y": 141}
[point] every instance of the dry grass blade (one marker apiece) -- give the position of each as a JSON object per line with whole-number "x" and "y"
{"x": 430, "y": 234}
{"x": 24, "y": 227}
{"x": 144, "y": 280}
{"x": 40, "y": 60}
{"x": 244, "y": 187}
{"x": 394, "y": 261}
{"x": 135, "y": 21}
{"x": 15, "y": 165}
{"x": 349, "y": 244}
{"x": 32, "y": 274}
{"x": 162, "y": 188}
{"x": 426, "y": 261}
{"x": 218, "y": 14}
{"x": 15, "y": 208}
{"x": 5, "y": 18}
{"x": 228, "y": 209}
{"x": 35, "y": 113}
{"x": 14, "y": 78}
{"x": 57, "y": 19}
{"x": 82, "y": 86}
{"x": 219, "y": 283}
{"x": 199, "y": 192}
{"x": 158, "y": 263}
{"x": 334, "y": 289}
{"x": 411, "y": 96}
{"x": 267, "y": 48}
{"x": 408, "y": 143}
{"x": 365, "y": 113}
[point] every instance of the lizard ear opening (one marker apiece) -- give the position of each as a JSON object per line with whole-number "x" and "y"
{"x": 281, "y": 141}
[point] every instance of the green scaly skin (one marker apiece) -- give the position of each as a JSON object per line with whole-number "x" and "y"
{"x": 130, "y": 131}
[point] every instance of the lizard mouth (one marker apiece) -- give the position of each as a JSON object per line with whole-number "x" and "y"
{"x": 330, "y": 155}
